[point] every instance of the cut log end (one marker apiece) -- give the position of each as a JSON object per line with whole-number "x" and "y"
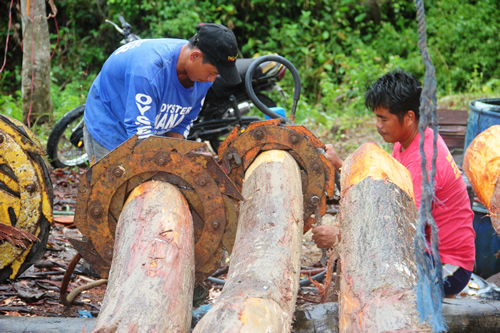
{"x": 370, "y": 160}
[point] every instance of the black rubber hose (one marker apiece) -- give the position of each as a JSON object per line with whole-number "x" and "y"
{"x": 251, "y": 93}
{"x": 302, "y": 283}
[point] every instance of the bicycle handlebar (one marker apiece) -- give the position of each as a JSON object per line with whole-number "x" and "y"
{"x": 125, "y": 30}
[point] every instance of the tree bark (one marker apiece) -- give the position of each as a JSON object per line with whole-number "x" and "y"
{"x": 262, "y": 284}
{"x": 37, "y": 104}
{"x": 378, "y": 218}
{"x": 151, "y": 279}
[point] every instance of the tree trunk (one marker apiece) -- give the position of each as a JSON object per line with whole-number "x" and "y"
{"x": 378, "y": 218}
{"x": 151, "y": 279}
{"x": 37, "y": 105}
{"x": 262, "y": 285}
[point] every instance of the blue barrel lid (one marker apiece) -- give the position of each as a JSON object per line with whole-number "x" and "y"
{"x": 485, "y": 105}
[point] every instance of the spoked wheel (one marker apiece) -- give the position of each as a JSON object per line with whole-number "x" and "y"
{"x": 65, "y": 144}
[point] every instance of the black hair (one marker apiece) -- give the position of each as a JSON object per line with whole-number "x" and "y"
{"x": 397, "y": 91}
{"x": 192, "y": 43}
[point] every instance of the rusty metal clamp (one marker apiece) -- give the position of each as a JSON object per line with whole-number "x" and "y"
{"x": 106, "y": 185}
{"x": 240, "y": 149}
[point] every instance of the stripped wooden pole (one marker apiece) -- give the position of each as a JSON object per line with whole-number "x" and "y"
{"x": 378, "y": 218}
{"x": 262, "y": 284}
{"x": 151, "y": 281}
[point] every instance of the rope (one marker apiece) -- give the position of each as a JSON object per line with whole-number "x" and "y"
{"x": 429, "y": 268}
{"x": 8, "y": 35}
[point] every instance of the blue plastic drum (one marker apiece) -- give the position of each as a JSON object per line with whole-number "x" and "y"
{"x": 483, "y": 114}
{"x": 487, "y": 243}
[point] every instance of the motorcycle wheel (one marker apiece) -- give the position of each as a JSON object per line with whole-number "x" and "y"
{"x": 65, "y": 143}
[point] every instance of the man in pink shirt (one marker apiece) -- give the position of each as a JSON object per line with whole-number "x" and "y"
{"x": 395, "y": 100}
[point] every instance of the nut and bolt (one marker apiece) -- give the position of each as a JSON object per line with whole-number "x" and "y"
{"x": 315, "y": 200}
{"x": 215, "y": 224}
{"x": 96, "y": 211}
{"x": 31, "y": 188}
{"x": 202, "y": 181}
{"x": 316, "y": 168}
{"x": 161, "y": 160}
{"x": 294, "y": 139}
{"x": 258, "y": 135}
{"x": 118, "y": 172}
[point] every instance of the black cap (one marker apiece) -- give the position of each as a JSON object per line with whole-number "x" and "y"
{"x": 219, "y": 45}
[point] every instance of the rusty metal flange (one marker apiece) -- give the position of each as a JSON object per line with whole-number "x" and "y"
{"x": 239, "y": 150}
{"x": 105, "y": 187}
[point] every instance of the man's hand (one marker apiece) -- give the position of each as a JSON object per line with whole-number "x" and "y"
{"x": 325, "y": 236}
{"x": 333, "y": 157}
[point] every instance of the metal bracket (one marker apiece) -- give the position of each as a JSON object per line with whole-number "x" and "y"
{"x": 240, "y": 149}
{"x": 107, "y": 184}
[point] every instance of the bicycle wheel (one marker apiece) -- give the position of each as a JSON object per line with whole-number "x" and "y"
{"x": 65, "y": 144}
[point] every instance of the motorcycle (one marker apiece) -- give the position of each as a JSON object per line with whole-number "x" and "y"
{"x": 225, "y": 107}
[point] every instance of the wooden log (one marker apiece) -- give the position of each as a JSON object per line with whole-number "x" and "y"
{"x": 482, "y": 168}
{"x": 151, "y": 280}
{"x": 378, "y": 221}
{"x": 262, "y": 284}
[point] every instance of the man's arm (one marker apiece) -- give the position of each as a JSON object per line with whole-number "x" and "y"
{"x": 326, "y": 236}
{"x": 333, "y": 157}
{"x": 175, "y": 135}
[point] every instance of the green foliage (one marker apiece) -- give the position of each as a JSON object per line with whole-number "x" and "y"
{"x": 11, "y": 105}
{"x": 339, "y": 47}
{"x": 462, "y": 38}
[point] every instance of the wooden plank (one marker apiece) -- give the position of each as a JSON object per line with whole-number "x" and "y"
{"x": 452, "y": 117}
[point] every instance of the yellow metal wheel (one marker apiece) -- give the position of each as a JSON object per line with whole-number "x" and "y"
{"x": 26, "y": 196}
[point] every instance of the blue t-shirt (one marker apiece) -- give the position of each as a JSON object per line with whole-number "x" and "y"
{"x": 138, "y": 92}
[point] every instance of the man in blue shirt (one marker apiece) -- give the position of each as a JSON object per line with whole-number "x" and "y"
{"x": 156, "y": 87}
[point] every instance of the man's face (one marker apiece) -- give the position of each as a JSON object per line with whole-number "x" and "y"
{"x": 389, "y": 127}
{"x": 202, "y": 72}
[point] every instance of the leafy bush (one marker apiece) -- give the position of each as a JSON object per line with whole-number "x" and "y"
{"x": 339, "y": 47}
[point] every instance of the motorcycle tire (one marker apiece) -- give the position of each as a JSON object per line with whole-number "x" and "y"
{"x": 65, "y": 143}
